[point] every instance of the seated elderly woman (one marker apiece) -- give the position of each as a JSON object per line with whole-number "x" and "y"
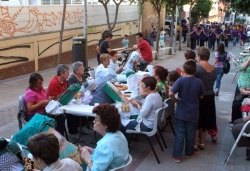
{"x": 244, "y": 141}
{"x": 76, "y": 77}
{"x": 102, "y": 75}
{"x": 57, "y": 86}
{"x": 36, "y": 100}
{"x": 78, "y": 74}
{"x": 112, "y": 150}
{"x": 113, "y": 62}
{"x": 147, "y": 108}
{"x": 104, "y": 58}
{"x": 45, "y": 150}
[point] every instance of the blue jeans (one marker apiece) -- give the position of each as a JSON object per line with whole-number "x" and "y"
{"x": 220, "y": 73}
{"x": 234, "y": 40}
{"x": 184, "y": 132}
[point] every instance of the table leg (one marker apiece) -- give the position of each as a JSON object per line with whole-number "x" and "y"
{"x": 79, "y": 139}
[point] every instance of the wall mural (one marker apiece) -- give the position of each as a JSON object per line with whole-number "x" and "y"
{"x": 29, "y": 20}
{"x": 4, "y": 60}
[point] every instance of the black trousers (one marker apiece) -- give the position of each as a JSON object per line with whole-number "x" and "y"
{"x": 218, "y": 41}
{"x": 226, "y": 42}
{"x": 193, "y": 43}
{"x": 213, "y": 43}
{"x": 236, "y": 106}
{"x": 202, "y": 42}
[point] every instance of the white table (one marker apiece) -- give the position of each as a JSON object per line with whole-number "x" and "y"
{"x": 77, "y": 109}
{"x": 244, "y": 54}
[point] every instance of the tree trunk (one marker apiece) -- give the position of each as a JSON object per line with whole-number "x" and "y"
{"x": 117, "y": 5}
{"x": 180, "y": 37}
{"x": 172, "y": 30}
{"x": 190, "y": 22}
{"x": 158, "y": 33}
{"x": 139, "y": 25}
{"x": 61, "y": 33}
{"x": 107, "y": 15}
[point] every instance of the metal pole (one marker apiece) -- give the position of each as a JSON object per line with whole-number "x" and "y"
{"x": 176, "y": 15}
{"x": 85, "y": 34}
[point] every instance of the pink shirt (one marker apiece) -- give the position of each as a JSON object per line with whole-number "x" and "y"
{"x": 35, "y": 96}
{"x": 219, "y": 64}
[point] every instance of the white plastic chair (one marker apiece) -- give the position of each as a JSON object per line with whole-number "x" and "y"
{"x": 121, "y": 167}
{"x": 21, "y": 113}
{"x": 242, "y": 134}
{"x": 92, "y": 73}
{"x": 150, "y": 68}
{"x": 158, "y": 114}
{"x": 237, "y": 61}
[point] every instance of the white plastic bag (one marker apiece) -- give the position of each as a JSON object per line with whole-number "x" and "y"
{"x": 52, "y": 107}
{"x": 133, "y": 82}
{"x": 87, "y": 97}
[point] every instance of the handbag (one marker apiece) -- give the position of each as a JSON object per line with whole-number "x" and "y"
{"x": 217, "y": 36}
{"x": 41, "y": 123}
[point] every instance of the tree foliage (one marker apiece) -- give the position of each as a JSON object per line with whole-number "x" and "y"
{"x": 201, "y": 10}
{"x": 105, "y": 5}
{"x": 239, "y": 6}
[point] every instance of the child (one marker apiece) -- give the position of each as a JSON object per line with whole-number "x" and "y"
{"x": 189, "y": 89}
{"x": 125, "y": 42}
{"x": 45, "y": 150}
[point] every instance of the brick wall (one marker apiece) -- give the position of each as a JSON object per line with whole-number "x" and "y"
{"x": 19, "y": 69}
{"x": 51, "y": 61}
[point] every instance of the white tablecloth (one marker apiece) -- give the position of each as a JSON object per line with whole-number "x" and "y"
{"x": 77, "y": 109}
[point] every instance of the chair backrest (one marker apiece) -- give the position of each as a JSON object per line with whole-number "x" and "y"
{"x": 158, "y": 115}
{"x": 21, "y": 113}
{"x": 170, "y": 109}
{"x": 150, "y": 68}
{"x": 92, "y": 73}
{"x": 121, "y": 167}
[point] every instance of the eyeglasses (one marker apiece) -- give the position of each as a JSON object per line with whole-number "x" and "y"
{"x": 96, "y": 120}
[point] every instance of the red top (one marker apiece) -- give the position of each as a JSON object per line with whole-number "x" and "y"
{"x": 145, "y": 50}
{"x": 56, "y": 88}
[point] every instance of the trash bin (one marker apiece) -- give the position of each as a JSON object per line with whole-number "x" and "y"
{"x": 78, "y": 50}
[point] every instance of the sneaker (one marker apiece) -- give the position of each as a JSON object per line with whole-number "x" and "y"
{"x": 177, "y": 160}
{"x": 193, "y": 155}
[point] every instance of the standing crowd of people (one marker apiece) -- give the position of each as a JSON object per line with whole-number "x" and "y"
{"x": 214, "y": 33}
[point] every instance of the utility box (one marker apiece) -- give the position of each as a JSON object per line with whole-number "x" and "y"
{"x": 78, "y": 50}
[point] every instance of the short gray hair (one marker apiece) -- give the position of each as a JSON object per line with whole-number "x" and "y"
{"x": 61, "y": 68}
{"x": 76, "y": 65}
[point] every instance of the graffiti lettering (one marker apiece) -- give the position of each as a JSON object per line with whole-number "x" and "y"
{"x": 30, "y": 20}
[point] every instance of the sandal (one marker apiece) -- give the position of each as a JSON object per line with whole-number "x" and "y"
{"x": 214, "y": 139}
{"x": 195, "y": 148}
{"x": 201, "y": 146}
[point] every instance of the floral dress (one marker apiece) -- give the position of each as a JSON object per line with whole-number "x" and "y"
{"x": 161, "y": 88}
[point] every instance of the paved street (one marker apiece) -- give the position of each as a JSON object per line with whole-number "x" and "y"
{"x": 210, "y": 159}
